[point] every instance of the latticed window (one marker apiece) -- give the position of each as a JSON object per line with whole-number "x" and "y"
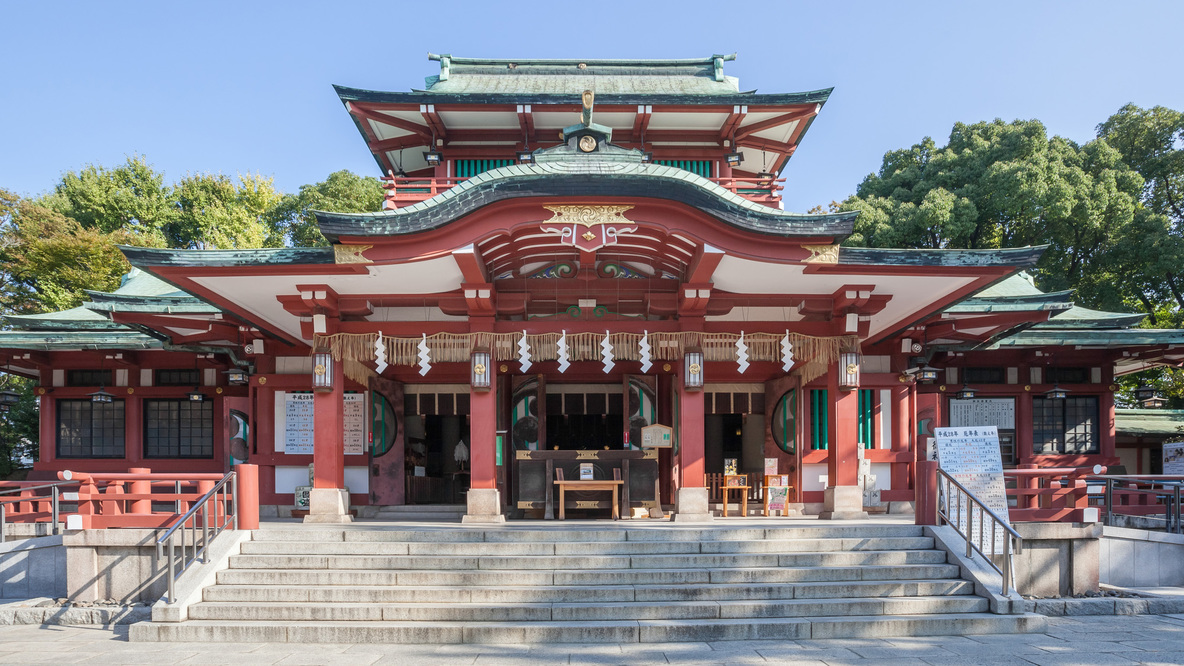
{"x": 867, "y": 418}
{"x": 182, "y": 377}
{"x": 819, "y": 419}
{"x": 88, "y": 378}
{"x": 1066, "y": 425}
{"x": 178, "y": 429}
{"x": 470, "y": 168}
{"x": 90, "y": 429}
{"x": 697, "y": 167}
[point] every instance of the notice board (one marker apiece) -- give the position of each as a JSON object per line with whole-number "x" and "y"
{"x": 355, "y": 423}
{"x": 298, "y": 423}
{"x": 971, "y": 456}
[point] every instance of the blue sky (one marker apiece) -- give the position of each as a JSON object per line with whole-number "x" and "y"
{"x": 246, "y": 86}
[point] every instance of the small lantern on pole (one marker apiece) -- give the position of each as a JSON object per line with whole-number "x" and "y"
{"x": 849, "y": 370}
{"x": 480, "y": 371}
{"x": 693, "y": 369}
{"x": 322, "y": 371}
{"x": 8, "y": 399}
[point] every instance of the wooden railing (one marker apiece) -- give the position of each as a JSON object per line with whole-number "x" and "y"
{"x": 1050, "y": 494}
{"x": 138, "y": 498}
{"x": 403, "y": 191}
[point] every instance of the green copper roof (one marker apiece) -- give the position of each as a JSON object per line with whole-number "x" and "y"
{"x": 645, "y": 77}
{"x": 566, "y": 171}
{"x": 148, "y": 256}
{"x": 80, "y": 318}
{"x": 72, "y": 340}
{"x": 1125, "y": 337}
{"x": 1016, "y": 293}
{"x": 1164, "y": 422}
{"x": 348, "y": 94}
{"x": 1078, "y": 317}
{"x": 1022, "y": 257}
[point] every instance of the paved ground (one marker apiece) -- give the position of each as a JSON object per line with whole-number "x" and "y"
{"x": 1147, "y": 639}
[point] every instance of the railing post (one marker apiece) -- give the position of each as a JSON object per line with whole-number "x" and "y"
{"x": 246, "y": 497}
{"x": 1006, "y": 564}
{"x": 3, "y": 519}
{"x": 926, "y": 493}
{"x": 1176, "y": 504}
{"x": 53, "y": 510}
{"x": 1109, "y": 501}
{"x": 172, "y": 569}
{"x": 141, "y": 506}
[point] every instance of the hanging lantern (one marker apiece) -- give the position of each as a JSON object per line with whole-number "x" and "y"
{"x": 849, "y": 370}
{"x": 693, "y": 370}
{"x": 102, "y": 396}
{"x": 1056, "y": 393}
{"x": 236, "y": 376}
{"x": 966, "y": 393}
{"x": 322, "y": 371}
{"x": 480, "y": 371}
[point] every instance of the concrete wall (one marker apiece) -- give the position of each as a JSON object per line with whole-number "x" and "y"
{"x": 1138, "y": 558}
{"x": 1058, "y": 559}
{"x": 33, "y": 568}
{"x": 113, "y": 564}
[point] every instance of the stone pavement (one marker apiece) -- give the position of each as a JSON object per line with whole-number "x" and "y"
{"x": 1143, "y": 639}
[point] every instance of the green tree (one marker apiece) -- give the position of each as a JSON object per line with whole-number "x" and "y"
{"x": 212, "y": 211}
{"x": 997, "y": 184}
{"x": 131, "y": 197}
{"x": 19, "y": 427}
{"x": 342, "y": 192}
{"x": 49, "y": 259}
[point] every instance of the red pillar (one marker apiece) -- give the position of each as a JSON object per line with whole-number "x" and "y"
{"x": 328, "y": 454}
{"x": 842, "y": 465}
{"x": 902, "y": 434}
{"x": 690, "y": 437}
{"x": 483, "y": 436}
{"x": 248, "y": 496}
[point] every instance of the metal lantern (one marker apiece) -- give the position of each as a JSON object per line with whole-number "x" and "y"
{"x": 734, "y": 159}
{"x": 965, "y": 394}
{"x": 1144, "y": 392}
{"x": 322, "y": 371}
{"x": 693, "y": 370}
{"x": 849, "y": 370}
{"x": 196, "y": 396}
{"x": 926, "y": 374}
{"x": 1056, "y": 393}
{"x": 480, "y": 371}
{"x": 236, "y": 376}
{"x": 525, "y": 156}
{"x": 8, "y": 399}
{"x": 102, "y": 396}
{"x": 433, "y": 157}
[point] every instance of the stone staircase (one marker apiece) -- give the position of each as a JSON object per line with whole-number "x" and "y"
{"x": 435, "y": 513}
{"x": 582, "y": 584}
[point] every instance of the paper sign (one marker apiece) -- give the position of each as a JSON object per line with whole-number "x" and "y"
{"x": 299, "y": 425}
{"x": 355, "y": 423}
{"x": 1173, "y": 458}
{"x": 729, "y": 466}
{"x": 586, "y": 472}
{"x": 770, "y": 465}
{"x": 778, "y": 497}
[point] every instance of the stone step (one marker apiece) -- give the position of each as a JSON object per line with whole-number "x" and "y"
{"x": 584, "y": 548}
{"x": 662, "y": 532}
{"x": 596, "y": 562}
{"x": 602, "y": 577}
{"x": 584, "y": 593}
{"x": 545, "y": 612}
{"x": 644, "y": 631}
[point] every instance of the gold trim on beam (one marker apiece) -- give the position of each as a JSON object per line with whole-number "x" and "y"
{"x": 350, "y": 254}
{"x": 822, "y": 254}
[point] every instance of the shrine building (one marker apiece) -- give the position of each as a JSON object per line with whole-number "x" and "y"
{"x": 570, "y": 253}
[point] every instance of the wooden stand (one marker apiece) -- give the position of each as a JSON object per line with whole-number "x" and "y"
{"x": 736, "y": 482}
{"x": 604, "y": 484}
{"x": 782, "y": 481}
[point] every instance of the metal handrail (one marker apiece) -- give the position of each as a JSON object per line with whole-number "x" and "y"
{"x": 208, "y": 532}
{"x": 1169, "y": 491}
{"x": 1012, "y": 541}
{"x": 53, "y": 503}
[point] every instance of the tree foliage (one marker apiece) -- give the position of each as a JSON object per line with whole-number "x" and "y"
{"x": 342, "y": 192}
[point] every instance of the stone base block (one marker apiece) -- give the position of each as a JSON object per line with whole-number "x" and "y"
{"x": 692, "y": 506}
{"x": 842, "y": 503}
{"x": 328, "y": 505}
{"x": 901, "y": 507}
{"x": 484, "y": 506}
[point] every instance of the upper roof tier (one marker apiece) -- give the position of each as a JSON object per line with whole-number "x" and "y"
{"x": 482, "y": 109}
{"x": 703, "y": 76}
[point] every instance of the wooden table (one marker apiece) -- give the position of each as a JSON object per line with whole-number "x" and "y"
{"x": 728, "y": 493}
{"x": 604, "y": 484}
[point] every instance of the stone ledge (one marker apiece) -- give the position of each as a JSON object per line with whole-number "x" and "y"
{"x": 29, "y": 613}
{"x": 1104, "y": 606}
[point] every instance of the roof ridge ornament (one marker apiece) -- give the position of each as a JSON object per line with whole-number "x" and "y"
{"x": 590, "y": 135}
